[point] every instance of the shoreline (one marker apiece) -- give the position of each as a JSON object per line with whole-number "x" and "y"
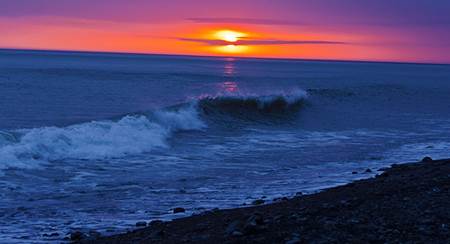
{"x": 406, "y": 203}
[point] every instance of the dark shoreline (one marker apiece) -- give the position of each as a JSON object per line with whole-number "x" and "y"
{"x": 408, "y": 203}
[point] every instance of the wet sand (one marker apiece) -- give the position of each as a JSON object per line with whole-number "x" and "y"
{"x": 407, "y": 203}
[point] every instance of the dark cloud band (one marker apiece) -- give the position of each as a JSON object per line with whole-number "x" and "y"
{"x": 263, "y": 42}
{"x": 245, "y": 21}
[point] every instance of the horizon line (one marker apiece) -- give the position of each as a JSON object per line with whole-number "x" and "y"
{"x": 217, "y": 56}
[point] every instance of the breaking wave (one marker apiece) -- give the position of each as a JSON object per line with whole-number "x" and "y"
{"x": 248, "y": 106}
{"x": 95, "y": 140}
{"x": 131, "y": 134}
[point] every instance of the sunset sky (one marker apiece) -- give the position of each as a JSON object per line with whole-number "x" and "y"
{"x": 381, "y": 30}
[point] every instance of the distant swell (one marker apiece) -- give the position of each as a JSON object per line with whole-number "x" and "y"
{"x": 132, "y": 134}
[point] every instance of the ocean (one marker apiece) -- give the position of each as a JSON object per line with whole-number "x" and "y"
{"x": 99, "y": 141}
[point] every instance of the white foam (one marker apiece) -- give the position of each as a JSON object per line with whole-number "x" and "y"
{"x": 291, "y": 97}
{"x": 98, "y": 139}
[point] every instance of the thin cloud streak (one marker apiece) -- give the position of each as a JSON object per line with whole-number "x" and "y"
{"x": 251, "y": 42}
{"x": 244, "y": 21}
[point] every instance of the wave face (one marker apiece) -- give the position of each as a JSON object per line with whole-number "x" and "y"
{"x": 247, "y": 107}
{"x": 95, "y": 140}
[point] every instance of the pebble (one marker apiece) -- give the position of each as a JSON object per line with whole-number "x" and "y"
{"x": 236, "y": 233}
{"x": 258, "y": 202}
{"x": 233, "y": 227}
{"x": 427, "y": 160}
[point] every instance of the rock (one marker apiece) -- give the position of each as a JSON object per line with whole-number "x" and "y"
{"x": 294, "y": 240}
{"x": 368, "y": 171}
{"x": 278, "y": 218}
{"x": 294, "y": 217}
{"x": 179, "y": 210}
{"x": 354, "y": 221}
{"x": 256, "y": 218}
{"x": 383, "y": 169}
{"x": 252, "y": 228}
{"x": 258, "y": 202}
{"x": 298, "y": 194}
{"x": 236, "y": 233}
{"x": 427, "y": 160}
{"x": 157, "y": 234}
{"x": 254, "y": 224}
{"x": 345, "y": 203}
{"x": 233, "y": 227}
{"x": 141, "y": 224}
{"x": 77, "y": 236}
{"x": 354, "y": 173}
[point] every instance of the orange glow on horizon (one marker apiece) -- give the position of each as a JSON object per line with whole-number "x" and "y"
{"x": 232, "y": 49}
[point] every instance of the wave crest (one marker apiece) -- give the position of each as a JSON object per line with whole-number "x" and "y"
{"x": 247, "y": 105}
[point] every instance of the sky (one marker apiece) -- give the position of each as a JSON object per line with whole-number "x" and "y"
{"x": 372, "y": 30}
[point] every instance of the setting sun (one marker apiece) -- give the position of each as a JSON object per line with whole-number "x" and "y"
{"x": 229, "y": 35}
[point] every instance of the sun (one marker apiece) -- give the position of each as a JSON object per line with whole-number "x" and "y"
{"x": 229, "y": 41}
{"x": 229, "y": 35}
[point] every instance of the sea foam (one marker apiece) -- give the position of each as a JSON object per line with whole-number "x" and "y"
{"x": 95, "y": 140}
